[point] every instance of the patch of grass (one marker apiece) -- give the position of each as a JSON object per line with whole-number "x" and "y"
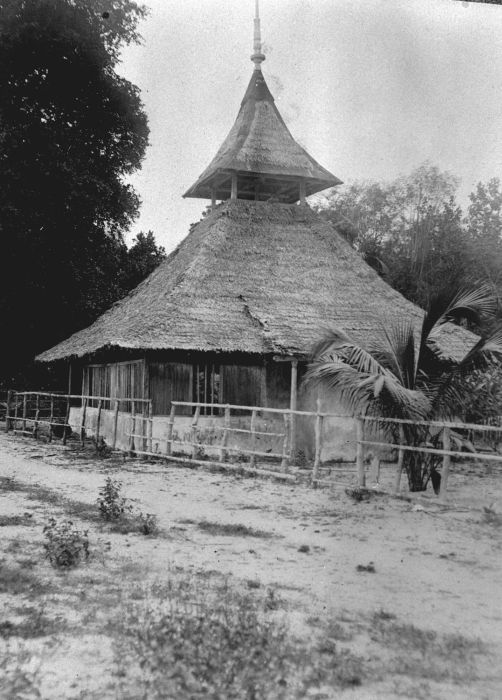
{"x": 337, "y": 631}
{"x": 15, "y": 520}
{"x": 200, "y": 640}
{"x": 253, "y": 583}
{"x": 44, "y": 495}
{"x": 232, "y": 529}
{"x": 141, "y": 523}
{"x": 422, "y": 653}
{"x": 15, "y": 580}
{"x": 18, "y": 677}
{"x": 35, "y": 623}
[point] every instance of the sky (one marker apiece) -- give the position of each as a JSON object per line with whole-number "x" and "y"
{"x": 371, "y": 88}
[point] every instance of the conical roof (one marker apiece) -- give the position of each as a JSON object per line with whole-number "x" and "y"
{"x": 252, "y": 277}
{"x": 262, "y": 152}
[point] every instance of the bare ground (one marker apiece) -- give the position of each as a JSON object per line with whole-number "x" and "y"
{"x": 403, "y": 597}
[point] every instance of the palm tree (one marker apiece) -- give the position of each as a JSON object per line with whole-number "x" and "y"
{"x": 405, "y": 375}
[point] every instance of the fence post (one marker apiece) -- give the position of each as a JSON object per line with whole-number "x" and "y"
{"x": 224, "y": 439}
{"x": 66, "y": 427}
{"x": 252, "y": 458}
{"x": 285, "y": 444}
{"x": 445, "y": 472}
{"x": 150, "y": 426}
{"x": 115, "y": 424}
{"x": 170, "y": 428}
{"x": 361, "y": 477}
{"x": 133, "y": 427}
{"x": 82, "y": 420}
{"x": 7, "y": 410}
{"x": 400, "y": 460}
{"x": 319, "y": 419}
{"x": 98, "y": 423}
{"x": 24, "y": 411}
{"x": 51, "y": 418}
{"x": 16, "y": 406}
{"x": 37, "y": 414}
{"x": 193, "y": 434}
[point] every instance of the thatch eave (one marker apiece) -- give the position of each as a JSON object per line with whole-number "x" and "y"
{"x": 256, "y": 278}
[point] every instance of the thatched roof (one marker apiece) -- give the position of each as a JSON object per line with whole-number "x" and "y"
{"x": 262, "y": 151}
{"x": 252, "y": 277}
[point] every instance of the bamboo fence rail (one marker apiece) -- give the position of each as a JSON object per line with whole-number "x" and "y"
{"x": 445, "y": 427}
{"x": 52, "y": 409}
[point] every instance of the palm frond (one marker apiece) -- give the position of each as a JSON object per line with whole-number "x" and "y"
{"x": 447, "y": 391}
{"x": 474, "y": 304}
{"x": 398, "y": 353}
{"x": 336, "y": 343}
{"x": 471, "y": 304}
{"x": 359, "y": 392}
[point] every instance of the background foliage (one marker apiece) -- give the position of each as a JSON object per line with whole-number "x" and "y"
{"x": 415, "y": 234}
{"x": 71, "y": 129}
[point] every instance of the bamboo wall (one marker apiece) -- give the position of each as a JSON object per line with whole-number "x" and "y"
{"x": 212, "y": 379}
{"x": 118, "y": 380}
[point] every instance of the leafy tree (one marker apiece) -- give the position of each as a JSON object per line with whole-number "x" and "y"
{"x": 406, "y": 376}
{"x": 70, "y": 129}
{"x": 484, "y": 228}
{"x": 409, "y": 230}
{"x": 142, "y": 258}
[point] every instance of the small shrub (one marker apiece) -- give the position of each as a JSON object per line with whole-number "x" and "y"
{"x": 301, "y": 460}
{"x": 358, "y": 494}
{"x": 65, "y": 545}
{"x": 148, "y": 524}
{"x": 271, "y": 602}
{"x": 366, "y": 568}
{"x": 112, "y": 505}
{"x": 491, "y": 517}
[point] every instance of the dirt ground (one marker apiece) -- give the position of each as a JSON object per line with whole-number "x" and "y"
{"x": 403, "y": 585}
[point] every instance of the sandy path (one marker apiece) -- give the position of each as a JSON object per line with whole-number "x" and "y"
{"x": 435, "y": 568}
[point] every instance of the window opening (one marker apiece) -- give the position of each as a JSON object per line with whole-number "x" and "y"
{"x": 207, "y": 387}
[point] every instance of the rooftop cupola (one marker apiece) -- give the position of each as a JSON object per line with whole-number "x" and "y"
{"x": 260, "y": 159}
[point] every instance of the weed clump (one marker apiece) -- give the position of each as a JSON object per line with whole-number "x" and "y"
{"x": 115, "y": 509}
{"x": 112, "y": 505}
{"x": 216, "y": 643}
{"x": 491, "y": 517}
{"x": 231, "y": 529}
{"x": 148, "y": 523}
{"x": 65, "y": 545}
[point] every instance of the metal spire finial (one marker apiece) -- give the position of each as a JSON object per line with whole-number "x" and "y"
{"x": 258, "y": 57}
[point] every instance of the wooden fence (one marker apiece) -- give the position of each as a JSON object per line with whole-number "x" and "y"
{"x": 26, "y": 412}
{"x": 224, "y": 450}
{"x": 444, "y": 427}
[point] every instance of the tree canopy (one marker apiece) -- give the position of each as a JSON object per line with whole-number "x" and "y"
{"x": 71, "y": 130}
{"x": 414, "y": 233}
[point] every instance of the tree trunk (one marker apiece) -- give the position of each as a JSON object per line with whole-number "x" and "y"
{"x": 420, "y": 465}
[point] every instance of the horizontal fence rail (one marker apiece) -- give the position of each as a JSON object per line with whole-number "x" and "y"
{"x": 234, "y": 432}
{"x": 444, "y": 429}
